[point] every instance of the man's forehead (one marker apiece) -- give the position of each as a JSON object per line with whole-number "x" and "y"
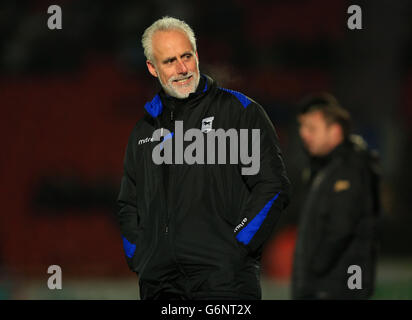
{"x": 166, "y": 42}
{"x": 314, "y": 115}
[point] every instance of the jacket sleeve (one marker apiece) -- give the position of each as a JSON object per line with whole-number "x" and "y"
{"x": 269, "y": 186}
{"x": 339, "y": 225}
{"x": 127, "y": 215}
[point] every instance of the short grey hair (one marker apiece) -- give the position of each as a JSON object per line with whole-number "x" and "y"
{"x": 163, "y": 24}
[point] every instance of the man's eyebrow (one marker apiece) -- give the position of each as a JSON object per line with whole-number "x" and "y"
{"x": 169, "y": 59}
{"x": 186, "y": 53}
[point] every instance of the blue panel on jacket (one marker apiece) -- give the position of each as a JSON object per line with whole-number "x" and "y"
{"x": 247, "y": 233}
{"x": 154, "y": 107}
{"x": 245, "y": 101}
{"x": 128, "y": 247}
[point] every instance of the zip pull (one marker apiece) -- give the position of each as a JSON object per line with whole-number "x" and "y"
{"x": 171, "y": 115}
{"x": 167, "y": 229}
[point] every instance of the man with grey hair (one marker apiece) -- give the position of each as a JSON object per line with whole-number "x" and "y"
{"x": 196, "y": 231}
{"x": 176, "y": 85}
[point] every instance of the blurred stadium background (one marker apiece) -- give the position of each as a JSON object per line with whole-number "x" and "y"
{"x": 70, "y": 97}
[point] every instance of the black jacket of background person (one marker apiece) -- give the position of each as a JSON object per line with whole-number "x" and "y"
{"x": 179, "y": 235}
{"x": 338, "y": 225}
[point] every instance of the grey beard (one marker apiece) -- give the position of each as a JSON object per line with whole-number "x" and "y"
{"x": 171, "y": 91}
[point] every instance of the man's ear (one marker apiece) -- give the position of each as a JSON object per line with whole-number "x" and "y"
{"x": 151, "y": 68}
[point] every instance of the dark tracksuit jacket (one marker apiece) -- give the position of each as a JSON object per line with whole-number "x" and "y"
{"x": 198, "y": 230}
{"x": 339, "y": 226}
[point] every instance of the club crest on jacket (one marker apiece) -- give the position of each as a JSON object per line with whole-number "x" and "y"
{"x": 207, "y": 124}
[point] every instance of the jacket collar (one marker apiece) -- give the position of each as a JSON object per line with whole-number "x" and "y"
{"x": 155, "y": 107}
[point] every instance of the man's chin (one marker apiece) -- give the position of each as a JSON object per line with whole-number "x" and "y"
{"x": 180, "y": 94}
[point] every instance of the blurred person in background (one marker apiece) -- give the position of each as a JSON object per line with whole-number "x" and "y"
{"x": 338, "y": 219}
{"x": 196, "y": 231}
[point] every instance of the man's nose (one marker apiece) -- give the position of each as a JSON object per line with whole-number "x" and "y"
{"x": 181, "y": 67}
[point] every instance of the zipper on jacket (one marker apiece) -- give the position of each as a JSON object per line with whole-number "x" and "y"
{"x": 168, "y": 200}
{"x": 169, "y": 183}
{"x": 165, "y": 227}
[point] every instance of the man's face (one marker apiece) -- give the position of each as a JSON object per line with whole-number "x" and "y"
{"x": 176, "y": 64}
{"x": 317, "y": 135}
